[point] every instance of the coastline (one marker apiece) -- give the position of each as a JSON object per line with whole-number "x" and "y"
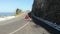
{"x": 6, "y": 18}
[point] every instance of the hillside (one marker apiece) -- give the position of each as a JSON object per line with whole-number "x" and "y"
{"x": 47, "y": 9}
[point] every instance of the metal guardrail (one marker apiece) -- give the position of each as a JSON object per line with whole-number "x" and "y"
{"x": 55, "y": 26}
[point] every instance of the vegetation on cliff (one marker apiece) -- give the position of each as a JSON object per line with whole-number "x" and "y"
{"x": 18, "y": 12}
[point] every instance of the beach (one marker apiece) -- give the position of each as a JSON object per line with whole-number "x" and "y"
{"x": 6, "y": 18}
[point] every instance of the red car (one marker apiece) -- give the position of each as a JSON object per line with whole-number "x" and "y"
{"x": 27, "y": 17}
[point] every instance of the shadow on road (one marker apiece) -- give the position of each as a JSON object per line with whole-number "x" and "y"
{"x": 50, "y": 29}
{"x": 46, "y": 27}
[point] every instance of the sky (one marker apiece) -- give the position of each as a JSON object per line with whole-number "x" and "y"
{"x": 12, "y": 5}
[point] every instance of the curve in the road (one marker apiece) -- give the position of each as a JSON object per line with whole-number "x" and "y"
{"x": 19, "y": 28}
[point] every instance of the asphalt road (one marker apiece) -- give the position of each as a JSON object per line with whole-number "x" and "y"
{"x": 19, "y": 25}
{"x": 32, "y": 28}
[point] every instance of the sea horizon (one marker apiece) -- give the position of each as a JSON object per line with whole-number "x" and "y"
{"x": 7, "y": 13}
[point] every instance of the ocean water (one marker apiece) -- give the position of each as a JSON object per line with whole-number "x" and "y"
{"x": 7, "y": 14}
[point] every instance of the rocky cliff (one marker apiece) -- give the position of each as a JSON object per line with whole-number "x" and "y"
{"x": 47, "y": 9}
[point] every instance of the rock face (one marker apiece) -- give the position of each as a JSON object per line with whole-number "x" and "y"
{"x": 47, "y": 9}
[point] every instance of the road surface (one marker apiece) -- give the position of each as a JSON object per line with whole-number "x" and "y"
{"x": 19, "y": 25}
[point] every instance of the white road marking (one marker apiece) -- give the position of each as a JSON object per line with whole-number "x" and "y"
{"x": 19, "y": 28}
